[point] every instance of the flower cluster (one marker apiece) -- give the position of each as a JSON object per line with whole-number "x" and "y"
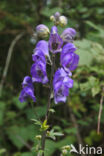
{"x": 62, "y": 44}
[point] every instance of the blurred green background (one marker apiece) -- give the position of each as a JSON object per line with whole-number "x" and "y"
{"x": 77, "y": 119}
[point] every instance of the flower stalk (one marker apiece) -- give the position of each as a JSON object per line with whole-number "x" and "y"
{"x": 60, "y": 82}
{"x": 48, "y": 104}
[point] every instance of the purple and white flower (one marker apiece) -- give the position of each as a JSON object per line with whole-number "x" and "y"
{"x": 55, "y": 41}
{"x": 27, "y": 91}
{"x": 61, "y": 84}
{"x": 68, "y": 35}
{"x": 38, "y": 56}
{"x": 43, "y": 46}
{"x": 68, "y": 59}
{"x": 38, "y": 72}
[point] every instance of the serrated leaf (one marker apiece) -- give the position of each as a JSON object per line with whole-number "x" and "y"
{"x": 44, "y": 125}
{"x": 36, "y": 122}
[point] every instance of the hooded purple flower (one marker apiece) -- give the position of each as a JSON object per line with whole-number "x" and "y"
{"x": 61, "y": 84}
{"x": 68, "y": 35}
{"x": 43, "y": 46}
{"x": 55, "y": 41}
{"x": 38, "y": 72}
{"x": 28, "y": 90}
{"x": 69, "y": 60}
{"x": 38, "y": 56}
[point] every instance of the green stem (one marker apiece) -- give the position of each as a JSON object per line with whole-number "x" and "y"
{"x": 49, "y": 103}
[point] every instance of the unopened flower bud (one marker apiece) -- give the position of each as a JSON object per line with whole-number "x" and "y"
{"x": 42, "y": 30}
{"x": 38, "y": 137}
{"x": 63, "y": 21}
{"x": 64, "y": 152}
{"x": 67, "y": 147}
{"x": 57, "y": 15}
{"x": 52, "y": 18}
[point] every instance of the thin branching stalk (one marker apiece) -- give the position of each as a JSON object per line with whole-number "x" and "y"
{"x": 78, "y": 135}
{"x": 10, "y": 51}
{"x": 100, "y": 111}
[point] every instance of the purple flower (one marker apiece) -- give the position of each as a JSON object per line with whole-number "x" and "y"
{"x": 38, "y": 56}
{"x": 43, "y": 46}
{"x": 54, "y": 30}
{"x": 55, "y": 41}
{"x": 69, "y": 60}
{"x": 68, "y": 35}
{"x": 27, "y": 82}
{"x": 38, "y": 72}
{"x": 61, "y": 84}
{"x": 42, "y": 30}
{"x": 27, "y": 91}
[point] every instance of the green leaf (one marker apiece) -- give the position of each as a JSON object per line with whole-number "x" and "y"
{"x": 84, "y": 51}
{"x": 48, "y": 12}
{"x": 52, "y": 110}
{"x": 53, "y": 134}
{"x": 26, "y": 154}
{"x": 95, "y": 90}
{"x": 44, "y": 126}
{"x": 36, "y": 122}
{"x": 19, "y": 135}
{"x": 2, "y": 151}
{"x": 51, "y": 146}
{"x": 83, "y": 123}
{"x": 71, "y": 130}
{"x": 1, "y": 117}
{"x": 18, "y": 103}
{"x": 88, "y": 141}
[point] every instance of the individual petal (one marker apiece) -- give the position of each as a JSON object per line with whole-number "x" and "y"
{"x": 59, "y": 98}
{"x": 69, "y": 47}
{"x": 68, "y": 82}
{"x": 27, "y": 81}
{"x": 43, "y": 46}
{"x": 75, "y": 62}
{"x": 60, "y": 74}
{"x": 38, "y": 72}
{"x": 61, "y": 94}
{"x": 26, "y": 93}
{"x": 38, "y": 56}
{"x": 68, "y": 59}
{"x": 42, "y": 30}
{"x": 57, "y": 85}
{"x": 54, "y": 30}
{"x": 68, "y": 34}
{"x": 61, "y": 84}
{"x": 55, "y": 41}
